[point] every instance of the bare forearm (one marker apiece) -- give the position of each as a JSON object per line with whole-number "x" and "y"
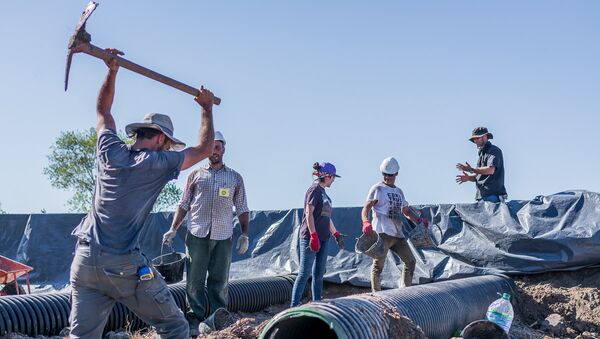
{"x": 412, "y": 217}
{"x": 488, "y": 170}
{"x": 364, "y": 215}
{"x": 205, "y": 142}
{"x": 178, "y": 218}
{"x": 207, "y": 132}
{"x": 332, "y": 228}
{"x": 366, "y": 209}
{"x": 105, "y": 100}
{"x": 408, "y": 213}
{"x": 310, "y": 221}
{"x": 244, "y": 222}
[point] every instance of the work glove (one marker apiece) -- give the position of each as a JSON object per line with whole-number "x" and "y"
{"x": 169, "y": 236}
{"x": 367, "y": 227}
{"x": 315, "y": 243}
{"x": 424, "y": 221}
{"x": 242, "y": 244}
{"x": 339, "y": 239}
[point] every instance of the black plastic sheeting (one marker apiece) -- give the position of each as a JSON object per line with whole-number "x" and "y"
{"x": 556, "y": 232}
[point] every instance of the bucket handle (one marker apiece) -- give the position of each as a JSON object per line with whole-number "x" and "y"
{"x": 162, "y": 246}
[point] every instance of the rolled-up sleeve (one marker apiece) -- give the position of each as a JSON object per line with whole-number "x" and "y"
{"x": 188, "y": 192}
{"x": 239, "y": 198}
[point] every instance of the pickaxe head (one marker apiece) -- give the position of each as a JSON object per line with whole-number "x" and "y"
{"x": 79, "y": 37}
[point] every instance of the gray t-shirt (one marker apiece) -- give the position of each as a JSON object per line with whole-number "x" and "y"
{"x": 127, "y": 185}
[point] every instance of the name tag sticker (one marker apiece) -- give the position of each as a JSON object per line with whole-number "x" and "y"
{"x": 224, "y": 192}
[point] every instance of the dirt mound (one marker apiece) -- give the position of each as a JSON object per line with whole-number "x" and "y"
{"x": 401, "y": 327}
{"x": 570, "y": 301}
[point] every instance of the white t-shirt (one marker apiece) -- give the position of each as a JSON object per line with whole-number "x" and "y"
{"x": 387, "y": 211}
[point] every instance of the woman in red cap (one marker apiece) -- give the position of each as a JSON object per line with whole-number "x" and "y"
{"x": 315, "y": 231}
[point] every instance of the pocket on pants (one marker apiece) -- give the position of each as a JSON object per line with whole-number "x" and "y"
{"x": 123, "y": 278}
{"x": 156, "y": 299}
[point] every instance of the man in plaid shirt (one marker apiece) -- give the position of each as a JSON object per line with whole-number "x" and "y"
{"x": 211, "y": 193}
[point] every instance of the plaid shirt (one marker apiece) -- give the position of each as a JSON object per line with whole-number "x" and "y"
{"x": 210, "y": 196}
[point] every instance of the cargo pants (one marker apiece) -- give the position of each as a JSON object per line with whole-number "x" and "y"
{"x": 402, "y": 249}
{"x": 100, "y": 279}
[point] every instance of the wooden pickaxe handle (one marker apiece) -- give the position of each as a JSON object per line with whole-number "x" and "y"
{"x": 100, "y": 53}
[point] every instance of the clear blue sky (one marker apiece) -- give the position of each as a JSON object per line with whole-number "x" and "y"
{"x": 350, "y": 82}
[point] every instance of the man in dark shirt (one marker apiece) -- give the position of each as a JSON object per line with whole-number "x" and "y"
{"x": 489, "y": 173}
{"x": 108, "y": 266}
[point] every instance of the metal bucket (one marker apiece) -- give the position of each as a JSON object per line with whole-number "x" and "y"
{"x": 370, "y": 244}
{"x": 170, "y": 266}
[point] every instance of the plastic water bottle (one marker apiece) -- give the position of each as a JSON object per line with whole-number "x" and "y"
{"x": 501, "y": 312}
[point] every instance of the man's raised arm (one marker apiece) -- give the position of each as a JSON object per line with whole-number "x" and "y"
{"x": 107, "y": 95}
{"x": 206, "y": 139}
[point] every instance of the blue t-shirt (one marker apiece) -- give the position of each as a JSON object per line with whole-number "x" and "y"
{"x": 317, "y": 197}
{"x": 127, "y": 185}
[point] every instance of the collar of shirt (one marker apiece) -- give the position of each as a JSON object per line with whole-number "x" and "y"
{"x": 486, "y": 147}
{"x": 224, "y": 168}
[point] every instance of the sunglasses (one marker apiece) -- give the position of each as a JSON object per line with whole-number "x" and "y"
{"x": 389, "y": 175}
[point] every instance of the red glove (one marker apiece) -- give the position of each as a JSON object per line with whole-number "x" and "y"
{"x": 367, "y": 227}
{"x": 315, "y": 244}
{"x": 339, "y": 239}
{"x": 424, "y": 221}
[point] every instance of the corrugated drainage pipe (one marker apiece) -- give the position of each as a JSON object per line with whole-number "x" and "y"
{"x": 47, "y": 314}
{"x": 438, "y": 308}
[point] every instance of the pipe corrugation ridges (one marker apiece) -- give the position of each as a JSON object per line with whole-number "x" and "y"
{"x": 438, "y": 308}
{"x": 47, "y": 314}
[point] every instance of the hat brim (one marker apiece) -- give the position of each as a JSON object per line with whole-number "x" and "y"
{"x": 490, "y": 136}
{"x": 327, "y": 174}
{"x": 176, "y": 144}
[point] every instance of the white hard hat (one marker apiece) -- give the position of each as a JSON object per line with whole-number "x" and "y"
{"x": 219, "y": 137}
{"x": 389, "y": 165}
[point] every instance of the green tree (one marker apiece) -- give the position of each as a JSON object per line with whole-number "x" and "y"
{"x": 1, "y": 210}
{"x": 72, "y": 166}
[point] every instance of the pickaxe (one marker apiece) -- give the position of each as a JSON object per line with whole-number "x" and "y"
{"x": 80, "y": 42}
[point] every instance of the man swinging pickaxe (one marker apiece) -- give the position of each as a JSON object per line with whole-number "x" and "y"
{"x": 80, "y": 42}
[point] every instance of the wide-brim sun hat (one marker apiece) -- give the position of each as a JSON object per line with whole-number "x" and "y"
{"x": 479, "y": 132}
{"x": 160, "y": 122}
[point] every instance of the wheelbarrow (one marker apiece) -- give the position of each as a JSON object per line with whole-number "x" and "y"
{"x": 10, "y": 270}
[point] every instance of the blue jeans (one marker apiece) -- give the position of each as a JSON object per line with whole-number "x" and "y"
{"x": 491, "y": 198}
{"x": 308, "y": 259}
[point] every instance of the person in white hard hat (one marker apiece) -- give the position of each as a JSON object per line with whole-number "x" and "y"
{"x": 388, "y": 204}
{"x": 211, "y": 193}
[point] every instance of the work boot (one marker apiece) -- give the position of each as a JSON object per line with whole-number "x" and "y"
{"x": 194, "y": 322}
{"x": 204, "y": 328}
